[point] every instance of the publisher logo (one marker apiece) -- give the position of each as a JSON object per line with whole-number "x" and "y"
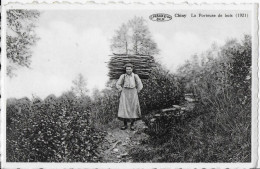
{"x": 160, "y": 17}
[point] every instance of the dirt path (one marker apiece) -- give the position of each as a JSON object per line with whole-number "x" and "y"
{"x": 119, "y": 142}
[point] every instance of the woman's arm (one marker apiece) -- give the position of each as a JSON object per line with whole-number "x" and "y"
{"x": 120, "y": 82}
{"x": 139, "y": 84}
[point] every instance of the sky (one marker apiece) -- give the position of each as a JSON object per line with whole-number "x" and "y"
{"x": 78, "y": 41}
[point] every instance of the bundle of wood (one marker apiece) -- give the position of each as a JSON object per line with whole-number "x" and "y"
{"x": 143, "y": 65}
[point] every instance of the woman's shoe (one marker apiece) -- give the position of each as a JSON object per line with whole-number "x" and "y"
{"x": 124, "y": 127}
{"x": 132, "y": 128}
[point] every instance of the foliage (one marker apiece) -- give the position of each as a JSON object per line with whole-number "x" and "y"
{"x": 224, "y": 83}
{"x": 161, "y": 90}
{"x": 134, "y": 37}
{"x": 53, "y": 130}
{"x": 20, "y": 38}
{"x": 220, "y": 128}
{"x": 105, "y": 106}
{"x": 198, "y": 139}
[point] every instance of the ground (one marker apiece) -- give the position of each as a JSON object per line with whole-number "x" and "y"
{"x": 118, "y": 142}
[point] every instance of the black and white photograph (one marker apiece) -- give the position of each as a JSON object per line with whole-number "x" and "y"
{"x": 121, "y": 85}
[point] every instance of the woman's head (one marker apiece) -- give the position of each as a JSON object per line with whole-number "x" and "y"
{"x": 129, "y": 68}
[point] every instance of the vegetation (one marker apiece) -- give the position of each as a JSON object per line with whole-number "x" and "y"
{"x": 79, "y": 87}
{"x": 49, "y": 129}
{"x": 160, "y": 91}
{"x": 220, "y": 128}
{"x": 68, "y": 128}
{"x": 20, "y": 37}
{"x": 53, "y": 130}
{"x": 134, "y": 38}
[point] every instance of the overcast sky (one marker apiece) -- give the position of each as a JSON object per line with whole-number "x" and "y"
{"x": 77, "y": 41}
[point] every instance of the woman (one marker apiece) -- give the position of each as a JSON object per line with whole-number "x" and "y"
{"x": 129, "y": 84}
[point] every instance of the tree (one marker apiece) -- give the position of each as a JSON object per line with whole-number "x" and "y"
{"x": 134, "y": 37}
{"x": 79, "y": 87}
{"x": 188, "y": 72}
{"x": 20, "y": 38}
{"x": 121, "y": 39}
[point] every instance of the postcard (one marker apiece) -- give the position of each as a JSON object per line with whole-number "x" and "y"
{"x": 119, "y": 85}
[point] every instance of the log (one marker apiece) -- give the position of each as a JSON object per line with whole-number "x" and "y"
{"x": 177, "y": 107}
{"x": 168, "y": 110}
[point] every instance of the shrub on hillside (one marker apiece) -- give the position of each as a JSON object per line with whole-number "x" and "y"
{"x": 17, "y": 115}
{"x": 56, "y": 130}
{"x": 224, "y": 87}
{"x": 161, "y": 90}
{"x": 105, "y": 106}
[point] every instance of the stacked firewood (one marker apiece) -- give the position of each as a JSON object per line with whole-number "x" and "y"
{"x": 143, "y": 65}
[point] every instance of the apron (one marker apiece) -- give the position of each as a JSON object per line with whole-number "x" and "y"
{"x": 129, "y": 106}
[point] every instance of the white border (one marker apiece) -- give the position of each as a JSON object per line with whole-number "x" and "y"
{"x": 135, "y": 6}
{"x": 4, "y": 2}
{"x": 3, "y": 73}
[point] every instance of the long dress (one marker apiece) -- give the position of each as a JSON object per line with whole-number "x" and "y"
{"x": 129, "y": 106}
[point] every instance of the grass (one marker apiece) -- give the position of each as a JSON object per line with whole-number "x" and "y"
{"x": 202, "y": 139}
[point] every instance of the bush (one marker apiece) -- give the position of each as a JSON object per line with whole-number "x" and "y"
{"x": 161, "y": 90}
{"x": 105, "y": 107}
{"x": 53, "y": 130}
{"x": 225, "y": 92}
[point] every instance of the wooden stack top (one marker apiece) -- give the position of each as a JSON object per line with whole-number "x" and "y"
{"x": 142, "y": 65}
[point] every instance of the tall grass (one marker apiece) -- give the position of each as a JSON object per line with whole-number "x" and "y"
{"x": 221, "y": 129}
